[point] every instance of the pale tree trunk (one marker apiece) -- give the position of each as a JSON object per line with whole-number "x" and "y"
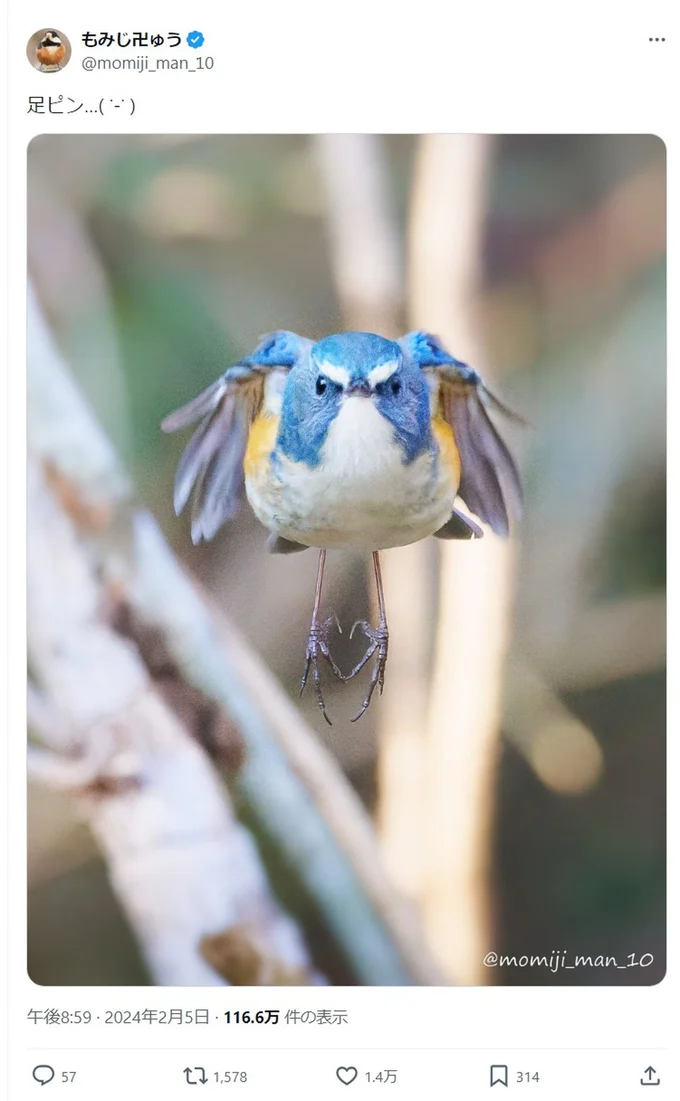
{"x": 367, "y": 266}
{"x": 475, "y": 583}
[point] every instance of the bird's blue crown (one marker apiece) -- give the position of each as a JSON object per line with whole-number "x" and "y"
{"x": 357, "y": 353}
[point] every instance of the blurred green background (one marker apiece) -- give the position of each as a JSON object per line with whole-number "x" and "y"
{"x": 159, "y": 261}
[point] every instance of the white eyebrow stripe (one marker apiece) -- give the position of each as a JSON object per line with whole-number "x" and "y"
{"x": 382, "y": 372}
{"x": 335, "y": 373}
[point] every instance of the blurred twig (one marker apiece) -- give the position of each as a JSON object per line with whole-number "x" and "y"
{"x": 291, "y": 786}
{"x": 445, "y": 247}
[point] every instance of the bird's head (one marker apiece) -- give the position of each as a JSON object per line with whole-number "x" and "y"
{"x": 51, "y": 38}
{"x": 356, "y": 377}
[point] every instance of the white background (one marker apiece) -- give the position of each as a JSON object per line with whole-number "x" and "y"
{"x": 307, "y": 67}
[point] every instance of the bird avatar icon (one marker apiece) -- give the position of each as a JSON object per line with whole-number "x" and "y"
{"x": 50, "y": 51}
{"x": 353, "y": 441}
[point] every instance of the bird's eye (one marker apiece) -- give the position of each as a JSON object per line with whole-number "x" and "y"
{"x": 395, "y": 386}
{"x": 321, "y": 385}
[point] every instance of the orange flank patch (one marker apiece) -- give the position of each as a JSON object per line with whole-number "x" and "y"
{"x": 447, "y": 448}
{"x": 261, "y": 440}
{"x": 50, "y": 55}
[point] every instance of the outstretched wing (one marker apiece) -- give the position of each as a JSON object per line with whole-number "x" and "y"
{"x": 212, "y": 463}
{"x": 490, "y": 483}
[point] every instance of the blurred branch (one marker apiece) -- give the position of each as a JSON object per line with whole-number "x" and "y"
{"x": 180, "y": 863}
{"x": 86, "y": 457}
{"x": 364, "y": 244}
{"x": 402, "y": 716}
{"x": 609, "y": 641}
{"x": 290, "y": 785}
{"x": 474, "y": 605}
{"x": 445, "y": 237}
{"x": 365, "y": 259}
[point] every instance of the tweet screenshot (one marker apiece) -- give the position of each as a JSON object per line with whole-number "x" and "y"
{"x": 336, "y": 419}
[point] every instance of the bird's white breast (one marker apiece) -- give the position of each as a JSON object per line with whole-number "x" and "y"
{"x": 361, "y": 493}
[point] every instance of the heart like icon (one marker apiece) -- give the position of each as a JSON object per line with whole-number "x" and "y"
{"x": 347, "y": 1075}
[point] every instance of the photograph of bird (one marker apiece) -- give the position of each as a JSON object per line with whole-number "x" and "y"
{"x": 50, "y": 51}
{"x": 354, "y": 441}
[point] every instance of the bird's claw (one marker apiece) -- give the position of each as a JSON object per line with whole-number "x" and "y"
{"x": 317, "y": 647}
{"x": 378, "y": 642}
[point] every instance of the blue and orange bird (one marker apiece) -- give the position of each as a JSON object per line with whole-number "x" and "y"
{"x": 354, "y": 441}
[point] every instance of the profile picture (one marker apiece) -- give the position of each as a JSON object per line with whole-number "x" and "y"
{"x": 48, "y": 51}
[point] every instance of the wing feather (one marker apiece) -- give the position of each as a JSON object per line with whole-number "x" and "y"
{"x": 219, "y": 485}
{"x": 490, "y": 483}
{"x": 499, "y": 454}
{"x": 211, "y": 466}
{"x": 200, "y": 406}
{"x": 479, "y": 485}
{"x": 212, "y": 431}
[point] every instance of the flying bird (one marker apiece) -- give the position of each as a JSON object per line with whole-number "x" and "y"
{"x": 353, "y": 441}
{"x": 50, "y": 50}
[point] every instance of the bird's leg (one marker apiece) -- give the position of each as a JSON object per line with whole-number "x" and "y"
{"x": 317, "y": 643}
{"x": 378, "y": 642}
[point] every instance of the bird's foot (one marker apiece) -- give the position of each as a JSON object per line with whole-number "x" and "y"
{"x": 377, "y": 646}
{"x": 317, "y": 648}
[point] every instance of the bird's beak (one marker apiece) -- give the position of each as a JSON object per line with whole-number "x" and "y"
{"x": 362, "y": 388}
